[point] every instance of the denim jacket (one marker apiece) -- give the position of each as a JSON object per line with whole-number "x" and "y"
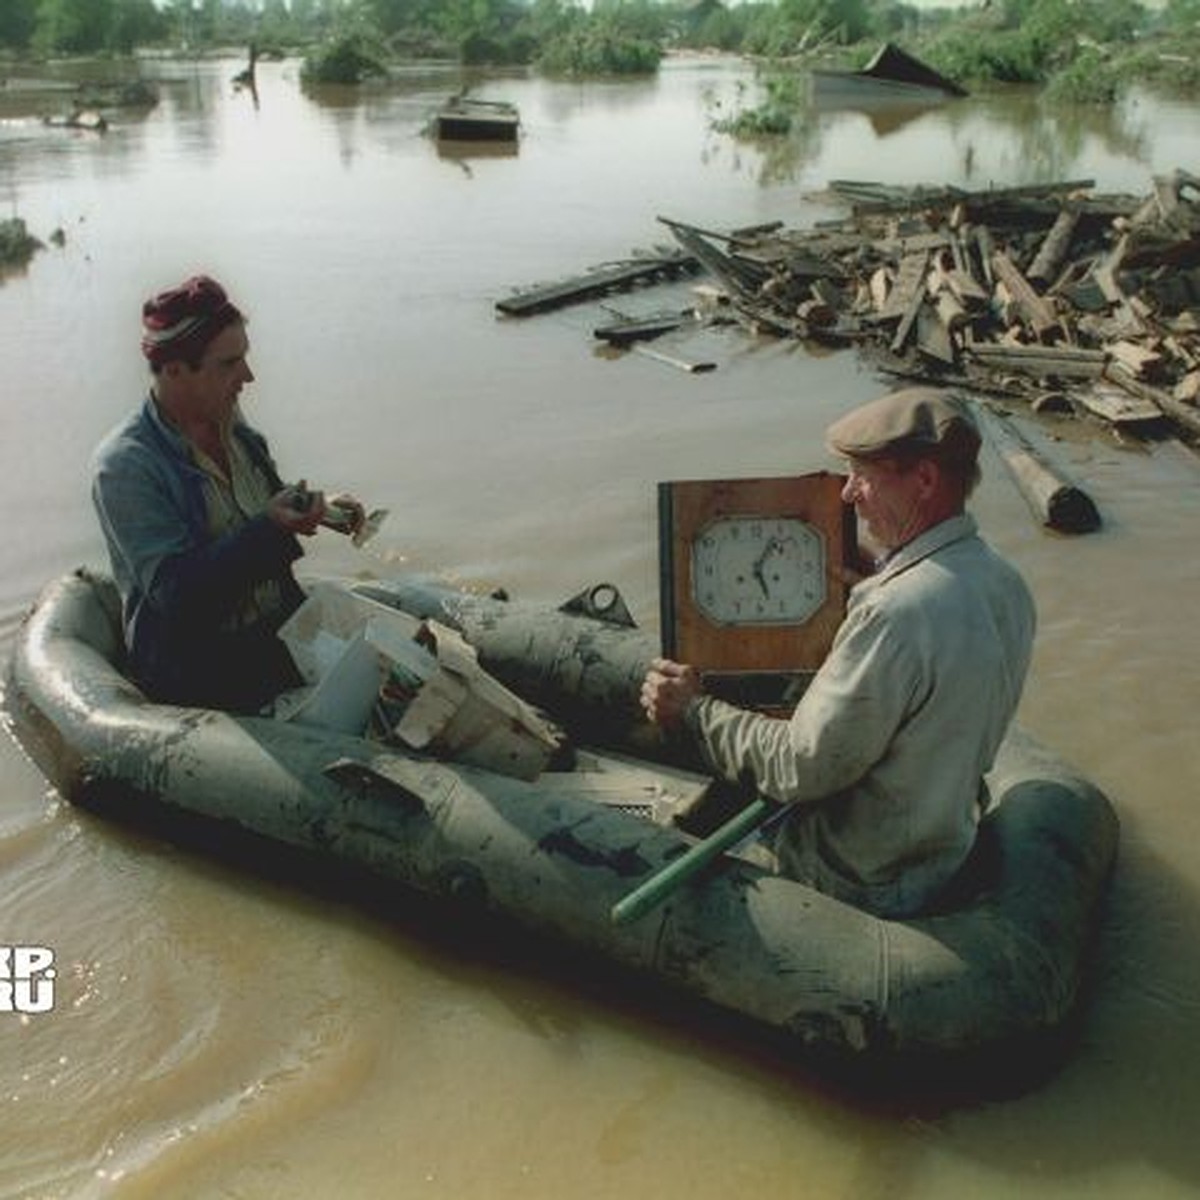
{"x": 178, "y": 583}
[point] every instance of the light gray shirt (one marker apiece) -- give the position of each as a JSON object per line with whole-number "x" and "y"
{"x": 884, "y": 756}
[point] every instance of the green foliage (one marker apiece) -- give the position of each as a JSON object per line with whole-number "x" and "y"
{"x": 1182, "y": 15}
{"x": 347, "y": 57}
{"x": 1172, "y": 63}
{"x": 598, "y": 52}
{"x": 774, "y": 116}
{"x": 72, "y": 26}
{"x": 619, "y": 37}
{"x": 1006, "y": 56}
{"x": 1090, "y": 78}
{"x": 18, "y": 19}
{"x": 17, "y": 245}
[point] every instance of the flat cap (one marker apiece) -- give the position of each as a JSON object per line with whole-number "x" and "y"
{"x": 910, "y": 420}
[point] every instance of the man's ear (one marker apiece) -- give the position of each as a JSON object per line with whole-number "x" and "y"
{"x": 929, "y": 476}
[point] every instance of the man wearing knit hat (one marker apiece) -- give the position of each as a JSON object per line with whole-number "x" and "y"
{"x": 201, "y": 530}
{"x": 880, "y": 767}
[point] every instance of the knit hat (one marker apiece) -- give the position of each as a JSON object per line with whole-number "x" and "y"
{"x": 180, "y": 322}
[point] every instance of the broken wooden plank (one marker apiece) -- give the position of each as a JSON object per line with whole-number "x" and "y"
{"x": 1140, "y": 360}
{"x": 626, "y": 329}
{"x": 1037, "y": 312}
{"x": 598, "y": 282}
{"x": 912, "y": 280}
{"x": 1116, "y": 406}
{"x": 1184, "y": 415}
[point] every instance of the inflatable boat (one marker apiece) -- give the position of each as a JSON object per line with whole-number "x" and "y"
{"x": 1004, "y": 962}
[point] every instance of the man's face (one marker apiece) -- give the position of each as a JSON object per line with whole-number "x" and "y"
{"x": 213, "y": 387}
{"x": 890, "y": 499}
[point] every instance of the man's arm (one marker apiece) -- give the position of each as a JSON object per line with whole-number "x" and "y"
{"x": 842, "y": 726}
{"x": 148, "y": 530}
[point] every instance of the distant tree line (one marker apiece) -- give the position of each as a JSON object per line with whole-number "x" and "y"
{"x": 1031, "y": 41}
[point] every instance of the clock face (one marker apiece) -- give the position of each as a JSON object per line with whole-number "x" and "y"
{"x": 750, "y": 570}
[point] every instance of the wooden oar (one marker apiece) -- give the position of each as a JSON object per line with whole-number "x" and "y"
{"x": 660, "y": 885}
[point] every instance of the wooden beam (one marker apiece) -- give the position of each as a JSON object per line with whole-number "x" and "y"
{"x": 1055, "y": 502}
{"x": 1035, "y": 310}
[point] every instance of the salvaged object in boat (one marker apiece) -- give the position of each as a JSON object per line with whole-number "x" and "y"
{"x": 890, "y": 76}
{"x": 464, "y": 119}
{"x": 1000, "y": 965}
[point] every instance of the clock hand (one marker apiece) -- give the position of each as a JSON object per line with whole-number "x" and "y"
{"x": 772, "y": 546}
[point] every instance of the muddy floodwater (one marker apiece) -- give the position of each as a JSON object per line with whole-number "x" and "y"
{"x": 222, "y": 1031}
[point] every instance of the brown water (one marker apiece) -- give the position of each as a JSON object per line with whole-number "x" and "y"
{"x": 220, "y": 1034}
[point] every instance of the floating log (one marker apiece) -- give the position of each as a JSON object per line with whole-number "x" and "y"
{"x": 1056, "y": 503}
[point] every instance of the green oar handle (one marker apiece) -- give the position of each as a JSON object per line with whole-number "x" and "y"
{"x": 660, "y": 885}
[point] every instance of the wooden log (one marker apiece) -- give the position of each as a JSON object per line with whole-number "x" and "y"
{"x": 1054, "y": 248}
{"x": 1068, "y": 362}
{"x": 1036, "y": 311}
{"x": 1056, "y": 503}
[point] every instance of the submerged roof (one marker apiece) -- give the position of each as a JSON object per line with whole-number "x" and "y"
{"x": 890, "y": 62}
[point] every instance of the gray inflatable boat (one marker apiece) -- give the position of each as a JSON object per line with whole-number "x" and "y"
{"x": 1004, "y": 964}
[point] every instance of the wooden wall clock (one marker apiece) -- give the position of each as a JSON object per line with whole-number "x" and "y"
{"x": 751, "y": 585}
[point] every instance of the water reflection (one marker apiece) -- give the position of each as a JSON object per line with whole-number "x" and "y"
{"x": 1011, "y": 135}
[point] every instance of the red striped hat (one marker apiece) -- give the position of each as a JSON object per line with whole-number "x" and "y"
{"x": 180, "y": 322}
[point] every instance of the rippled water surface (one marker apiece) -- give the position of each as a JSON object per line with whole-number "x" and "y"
{"x": 223, "y": 1032}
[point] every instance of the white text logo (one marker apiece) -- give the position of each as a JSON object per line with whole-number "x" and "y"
{"x": 26, "y": 979}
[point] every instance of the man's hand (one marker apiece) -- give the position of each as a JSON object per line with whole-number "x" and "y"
{"x": 344, "y": 513}
{"x": 669, "y": 687}
{"x": 296, "y": 509}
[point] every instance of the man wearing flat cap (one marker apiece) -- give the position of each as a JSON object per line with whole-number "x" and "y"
{"x": 881, "y": 764}
{"x": 201, "y": 530}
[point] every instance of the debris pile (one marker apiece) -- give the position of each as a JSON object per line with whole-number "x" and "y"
{"x": 1047, "y": 293}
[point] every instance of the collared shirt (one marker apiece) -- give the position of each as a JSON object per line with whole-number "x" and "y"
{"x": 885, "y": 754}
{"x": 230, "y": 501}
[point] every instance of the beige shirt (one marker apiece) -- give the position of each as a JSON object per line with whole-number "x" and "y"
{"x": 231, "y": 501}
{"x": 885, "y": 754}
